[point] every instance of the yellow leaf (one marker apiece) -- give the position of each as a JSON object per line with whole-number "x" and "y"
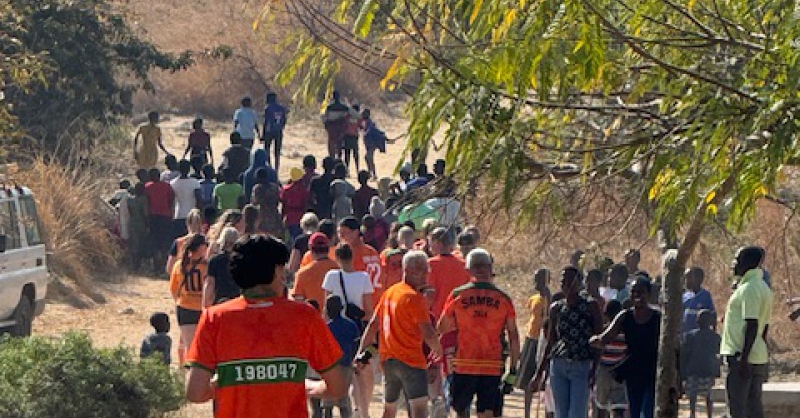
{"x": 712, "y": 210}
{"x": 475, "y": 11}
{"x": 760, "y": 191}
{"x": 711, "y": 196}
{"x": 392, "y": 71}
{"x": 654, "y": 191}
{"x": 691, "y": 4}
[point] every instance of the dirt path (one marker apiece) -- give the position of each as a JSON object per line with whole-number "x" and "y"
{"x": 302, "y": 137}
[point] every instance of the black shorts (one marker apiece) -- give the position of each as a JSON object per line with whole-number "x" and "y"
{"x": 350, "y": 142}
{"x": 273, "y": 137}
{"x": 187, "y": 316}
{"x": 399, "y": 376}
{"x": 465, "y": 386}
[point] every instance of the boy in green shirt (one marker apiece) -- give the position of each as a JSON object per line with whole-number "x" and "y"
{"x": 230, "y": 194}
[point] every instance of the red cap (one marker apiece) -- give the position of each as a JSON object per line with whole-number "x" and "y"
{"x": 319, "y": 240}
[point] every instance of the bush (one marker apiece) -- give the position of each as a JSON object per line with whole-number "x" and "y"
{"x": 67, "y": 377}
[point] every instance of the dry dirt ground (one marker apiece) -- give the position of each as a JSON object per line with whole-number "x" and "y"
{"x": 123, "y": 318}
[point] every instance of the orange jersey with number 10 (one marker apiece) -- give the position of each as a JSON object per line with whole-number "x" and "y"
{"x": 480, "y": 311}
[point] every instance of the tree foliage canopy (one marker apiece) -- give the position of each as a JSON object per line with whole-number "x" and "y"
{"x": 72, "y": 63}
{"x": 687, "y": 104}
{"x": 676, "y": 96}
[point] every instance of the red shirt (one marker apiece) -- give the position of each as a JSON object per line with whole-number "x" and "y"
{"x": 260, "y": 350}
{"x": 295, "y": 198}
{"x": 161, "y": 198}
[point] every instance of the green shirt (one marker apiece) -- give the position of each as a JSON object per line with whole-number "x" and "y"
{"x": 227, "y": 195}
{"x": 752, "y": 299}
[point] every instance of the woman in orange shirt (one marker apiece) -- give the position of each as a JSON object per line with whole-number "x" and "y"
{"x": 186, "y": 285}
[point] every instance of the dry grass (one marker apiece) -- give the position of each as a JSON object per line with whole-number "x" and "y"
{"x": 213, "y": 88}
{"x": 77, "y": 223}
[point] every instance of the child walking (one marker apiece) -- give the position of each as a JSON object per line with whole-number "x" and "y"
{"x": 700, "y": 362}
{"x": 347, "y": 334}
{"x": 159, "y": 342}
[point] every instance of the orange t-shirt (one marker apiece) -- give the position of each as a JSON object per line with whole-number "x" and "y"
{"x": 391, "y": 272}
{"x": 308, "y": 281}
{"x": 447, "y": 273}
{"x": 400, "y": 312}
{"x": 365, "y": 258}
{"x": 480, "y": 311}
{"x": 261, "y": 350}
{"x": 187, "y": 287}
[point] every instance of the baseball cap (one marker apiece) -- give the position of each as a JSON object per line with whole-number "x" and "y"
{"x": 319, "y": 240}
{"x": 296, "y": 173}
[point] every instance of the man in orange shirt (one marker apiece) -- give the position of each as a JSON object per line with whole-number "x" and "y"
{"x": 308, "y": 282}
{"x": 481, "y": 313}
{"x": 404, "y": 322}
{"x": 260, "y": 345}
{"x": 447, "y": 271}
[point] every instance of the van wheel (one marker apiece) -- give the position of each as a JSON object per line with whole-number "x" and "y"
{"x": 23, "y": 318}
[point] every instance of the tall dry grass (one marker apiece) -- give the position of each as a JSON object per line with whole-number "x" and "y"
{"x": 213, "y": 88}
{"x": 76, "y": 220}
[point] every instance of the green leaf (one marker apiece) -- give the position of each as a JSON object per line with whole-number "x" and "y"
{"x": 363, "y": 23}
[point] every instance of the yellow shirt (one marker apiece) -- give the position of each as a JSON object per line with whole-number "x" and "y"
{"x": 537, "y": 305}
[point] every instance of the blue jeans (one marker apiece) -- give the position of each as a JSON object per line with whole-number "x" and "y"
{"x": 570, "y": 383}
{"x": 641, "y": 397}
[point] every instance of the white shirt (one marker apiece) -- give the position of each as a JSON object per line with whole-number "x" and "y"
{"x": 184, "y": 195}
{"x": 124, "y": 217}
{"x": 245, "y": 120}
{"x": 356, "y": 283}
{"x": 168, "y": 175}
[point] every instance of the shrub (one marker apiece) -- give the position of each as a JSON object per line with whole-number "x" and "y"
{"x": 68, "y": 377}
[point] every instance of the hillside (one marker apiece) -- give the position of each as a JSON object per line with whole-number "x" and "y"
{"x": 214, "y": 87}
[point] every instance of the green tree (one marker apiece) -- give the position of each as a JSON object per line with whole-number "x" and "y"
{"x": 689, "y": 104}
{"x": 19, "y": 68}
{"x": 92, "y": 61}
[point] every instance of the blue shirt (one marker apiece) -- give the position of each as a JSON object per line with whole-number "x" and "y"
{"x": 692, "y": 304}
{"x": 274, "y": 118}
{"x": 348, "y": 336}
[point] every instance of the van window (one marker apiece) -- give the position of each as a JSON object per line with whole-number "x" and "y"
{"x": 9, "y": 226}
{"x": 30, "y": 221}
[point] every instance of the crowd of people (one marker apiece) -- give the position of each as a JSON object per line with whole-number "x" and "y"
{"x": 358, "y": 297}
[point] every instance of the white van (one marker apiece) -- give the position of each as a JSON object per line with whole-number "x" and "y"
{"x": 23, "y": 261}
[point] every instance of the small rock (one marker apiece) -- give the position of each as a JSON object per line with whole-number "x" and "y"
{"x": 127, "y": 311}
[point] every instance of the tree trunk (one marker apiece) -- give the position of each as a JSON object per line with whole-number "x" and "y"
{"x": 667, "y": 393}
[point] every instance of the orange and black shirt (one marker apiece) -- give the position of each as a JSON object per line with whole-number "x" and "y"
{"x": 480, "y": 312}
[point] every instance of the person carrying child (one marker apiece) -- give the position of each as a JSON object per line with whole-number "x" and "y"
{"x": 700, "y": 364}
{"x": 159, "y": 342}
